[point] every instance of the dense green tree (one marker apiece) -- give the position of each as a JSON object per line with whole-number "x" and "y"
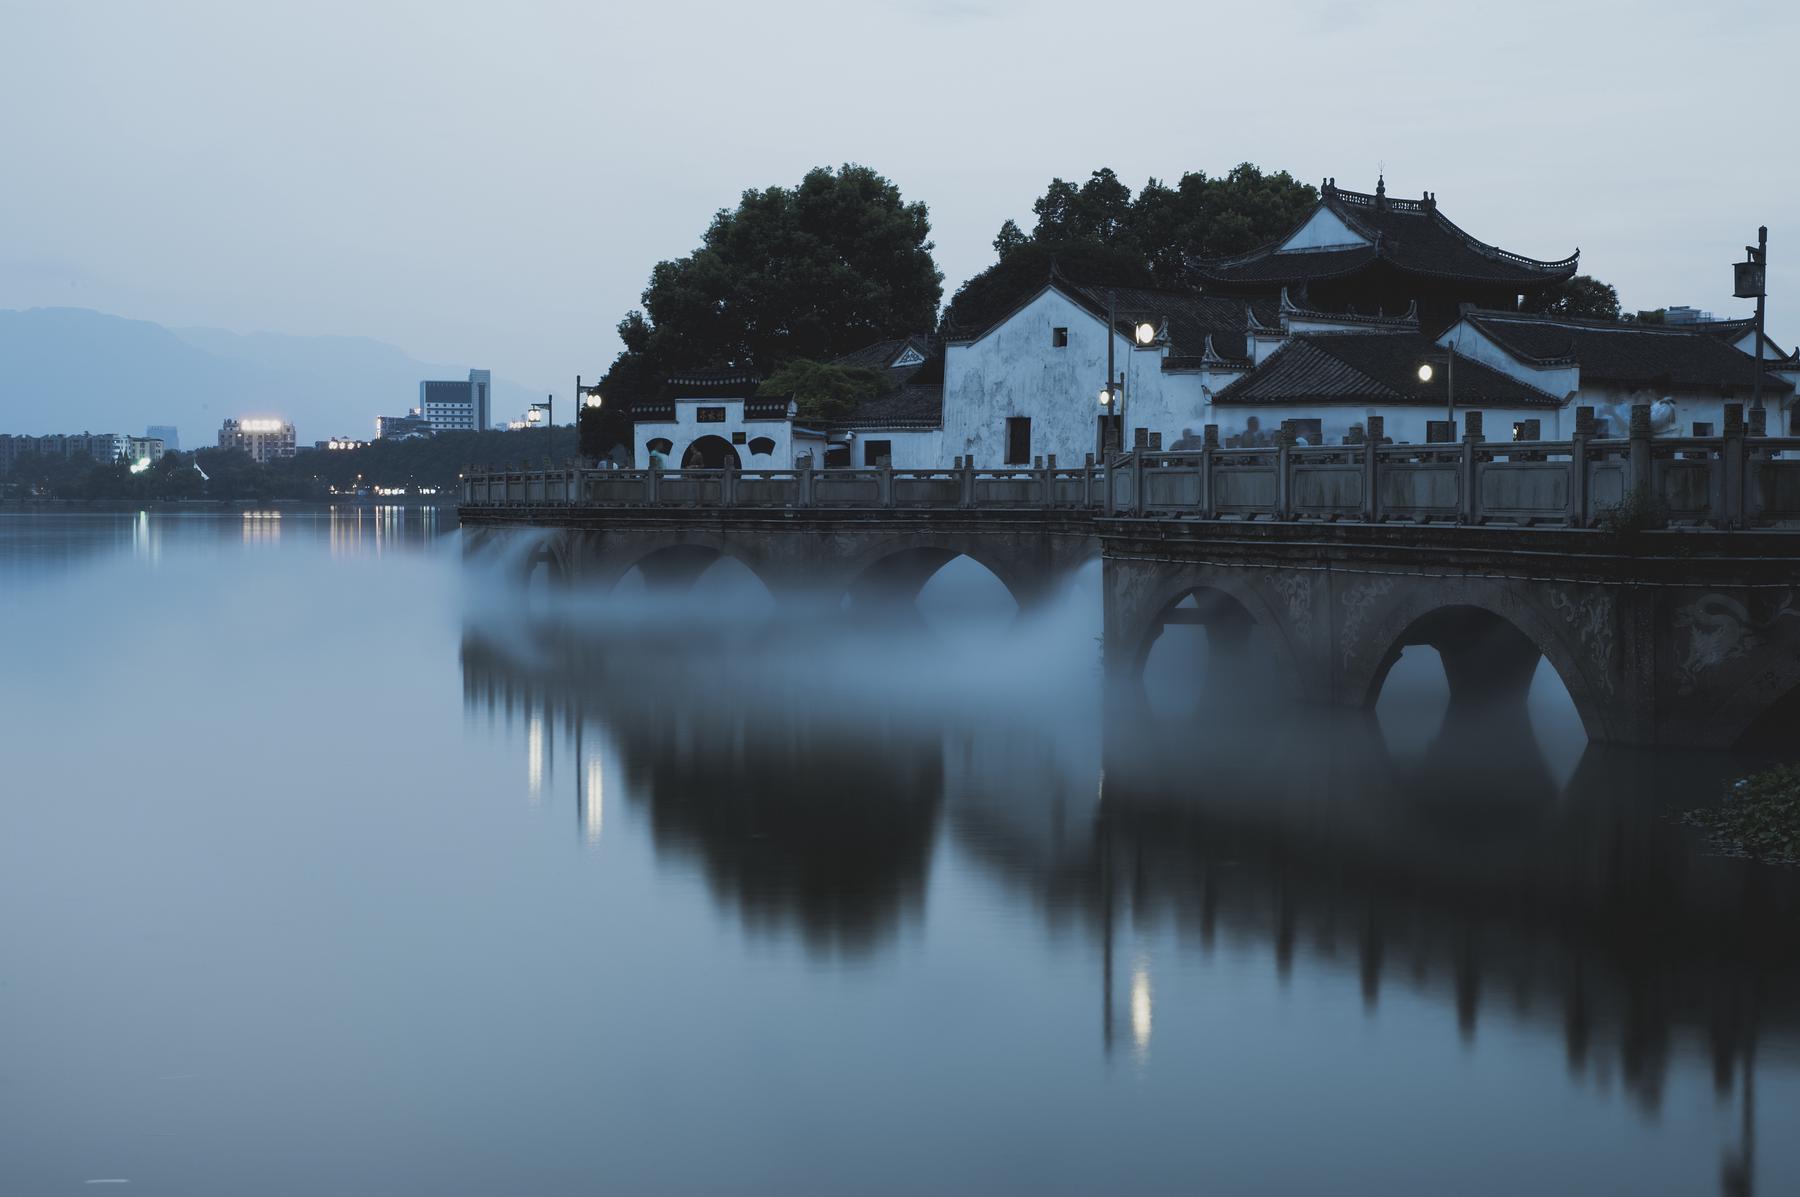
{"x": 1099, "y": 232}
{"x": 810, "y": 271}
{"x": 1582, "y": 295}
{"x": 822, "y": 391}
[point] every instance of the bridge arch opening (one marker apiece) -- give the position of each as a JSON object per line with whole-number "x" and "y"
{"x": 941, "y": 587}
{"x": 1468, "y": 678}
{"x": 703, "y": 571}
{"x": 1206, "y": 649}
{"x": 708, "y": 453}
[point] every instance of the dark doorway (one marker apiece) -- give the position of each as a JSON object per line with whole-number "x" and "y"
{"x": 709, "y": 453}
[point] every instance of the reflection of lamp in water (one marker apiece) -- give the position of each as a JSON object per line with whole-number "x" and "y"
{"x": 594, "y": 810}
{"x": 534, "y": 754}
{"x": 1140, "y": 1006}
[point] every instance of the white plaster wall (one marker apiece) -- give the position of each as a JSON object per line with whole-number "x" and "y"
{"x": 912, "y": 449}
{"x": 1015, "y": 370}
{"x": 685, "y": 429}
{"x": 1324, "y": 230}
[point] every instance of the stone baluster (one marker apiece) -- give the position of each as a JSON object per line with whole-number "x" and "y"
{"x": 1371, "y": 470}
{"x": 1732, "y": 467}
{"x": 1209, "y": 447}
{"x": 1472, "y": 435}
{"x": 1642, "y": 469}
{"x": 1579, "y": 516}
{"x": 1284, "y": 466}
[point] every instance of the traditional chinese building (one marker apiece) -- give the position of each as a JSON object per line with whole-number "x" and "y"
{"x": 1370, "y": 254}
{"x": 1371, "y": 307}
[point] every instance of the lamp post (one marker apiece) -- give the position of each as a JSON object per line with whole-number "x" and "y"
{"x": 1427, "y": 373}
{"x": 1112, "y": 394}
{"x": 1751, "y": 277}
{"x": 585, "y": 397}
{"x": 545, "y": 413}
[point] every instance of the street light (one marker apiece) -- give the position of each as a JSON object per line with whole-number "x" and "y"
{"x": 545, "y": 413}
{"x": 1146, "y": 333}
{"x": 1427, "y": 372}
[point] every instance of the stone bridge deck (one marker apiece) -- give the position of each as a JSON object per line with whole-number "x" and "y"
{"x": 1661, "y": 579}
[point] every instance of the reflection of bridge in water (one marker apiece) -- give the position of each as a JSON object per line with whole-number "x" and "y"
{"x": 1333, "y": 558}
{"x": 1581, "y": 908}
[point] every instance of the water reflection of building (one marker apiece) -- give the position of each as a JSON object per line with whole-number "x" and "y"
{"x": 798, "y": 821}
{"x": 357, "y": 530}
{"x": 1465, "y": 874}
{"x": 262, "y": 527}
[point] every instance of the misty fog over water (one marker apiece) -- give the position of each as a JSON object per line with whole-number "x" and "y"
{"x": 336, "y": 859}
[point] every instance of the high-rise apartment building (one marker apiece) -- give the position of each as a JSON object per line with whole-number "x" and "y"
{"x": 457, "y": 406}
{"x": 264, "y": 439}
{"x": 167, "y": 435}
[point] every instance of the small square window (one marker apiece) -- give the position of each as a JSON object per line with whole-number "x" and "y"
{"x": 1059, "y": 338}
{"x": 1701, "y": 428}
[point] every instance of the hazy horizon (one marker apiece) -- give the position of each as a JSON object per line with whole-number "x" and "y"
{"x": 494, "y": 187}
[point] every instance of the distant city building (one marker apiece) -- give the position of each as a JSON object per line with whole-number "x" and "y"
{"x": 102, "y": 447}
{"x": 400, "y": 428}
{"x": 143, "y": 452}
{"x": 264, "y": 439}
{"x": 1686, "y": 315}
{"x": 167, "y": 435}
{"x": 456, "y": 406}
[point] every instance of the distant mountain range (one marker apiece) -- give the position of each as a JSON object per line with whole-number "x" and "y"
{"x": 75, "y": 370}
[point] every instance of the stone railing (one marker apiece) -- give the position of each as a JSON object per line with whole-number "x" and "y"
{"x": 961, "y": 486}
{"x": 1730, "y": 481}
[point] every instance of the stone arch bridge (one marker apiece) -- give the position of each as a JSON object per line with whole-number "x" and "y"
{"x": 1676, "y": 638}
{"x": 828, "y": 555}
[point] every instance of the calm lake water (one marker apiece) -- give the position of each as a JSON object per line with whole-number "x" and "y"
{"x": 333, "y": 862}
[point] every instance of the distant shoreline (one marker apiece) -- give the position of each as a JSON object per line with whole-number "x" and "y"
{"x": 51, "y": 506}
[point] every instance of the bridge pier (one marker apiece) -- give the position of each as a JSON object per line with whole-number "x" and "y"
{"x": 1687, "y": 640}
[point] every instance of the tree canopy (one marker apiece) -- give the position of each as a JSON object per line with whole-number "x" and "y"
{"x": 811, "y": 271}
{"x": 1582, "y": 295}
{"x": 821, "y": 390}
{"x": 1098, "y": 231}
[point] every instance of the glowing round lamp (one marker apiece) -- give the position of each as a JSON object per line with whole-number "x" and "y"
{"x": 1146, "y": 333}
{"x": 1425, "y": 372}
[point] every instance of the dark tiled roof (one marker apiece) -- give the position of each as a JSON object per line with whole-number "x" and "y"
{"x": 1411, "y": 235}
{"x": 882, "y": 354}
{"x": 1189, "y": 317}
{"x": 1655, "y": 356}
{"x": 1375, "y": 368}
{"x": 913, "y": 405}
{"x": 914, "y": 395}
{"x": 709, "y": 382}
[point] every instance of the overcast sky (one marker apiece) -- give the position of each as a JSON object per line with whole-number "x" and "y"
{"x": 490, "y": 184}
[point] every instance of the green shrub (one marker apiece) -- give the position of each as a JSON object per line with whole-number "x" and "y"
{"x": 1759, "y": 817}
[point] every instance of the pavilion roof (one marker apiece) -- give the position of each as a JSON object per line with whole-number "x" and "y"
{"x": 1411, "y": 235}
